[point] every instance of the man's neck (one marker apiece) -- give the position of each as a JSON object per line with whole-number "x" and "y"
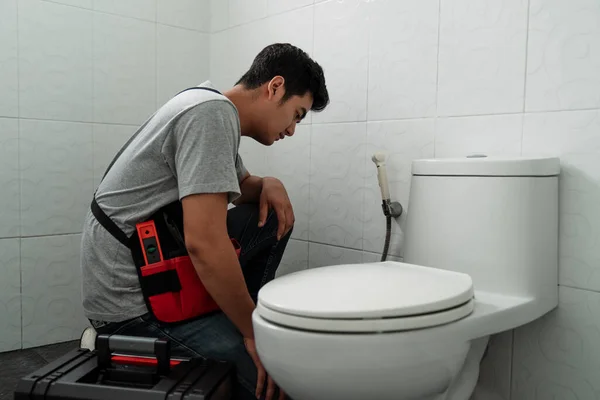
{"x": 244, "y": 101}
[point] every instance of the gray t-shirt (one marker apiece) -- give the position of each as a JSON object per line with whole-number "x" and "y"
{"x": 190, "y": 145}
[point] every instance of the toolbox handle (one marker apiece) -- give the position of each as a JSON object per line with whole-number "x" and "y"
{"x": 138, "y": 345}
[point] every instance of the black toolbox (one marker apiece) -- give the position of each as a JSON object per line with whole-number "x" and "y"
{"x": 128, "y": 368}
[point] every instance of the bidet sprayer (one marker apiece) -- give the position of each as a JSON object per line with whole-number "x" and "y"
{"x": 390, "y": 208}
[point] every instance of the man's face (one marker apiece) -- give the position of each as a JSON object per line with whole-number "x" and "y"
{"x": 280, "y": 118}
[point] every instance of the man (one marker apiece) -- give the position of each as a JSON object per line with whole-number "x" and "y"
{"x": 188, "y": 152}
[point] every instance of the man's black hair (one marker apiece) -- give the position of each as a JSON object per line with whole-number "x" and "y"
{"x": 301, "y": 73}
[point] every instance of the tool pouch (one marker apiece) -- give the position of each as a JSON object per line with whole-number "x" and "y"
{"x": 170, "y": 284}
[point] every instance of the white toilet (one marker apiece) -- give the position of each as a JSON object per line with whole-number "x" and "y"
{"x": 480, "y": 258}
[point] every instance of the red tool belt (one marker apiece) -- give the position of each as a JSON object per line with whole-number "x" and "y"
{"x": 170, "y": 285}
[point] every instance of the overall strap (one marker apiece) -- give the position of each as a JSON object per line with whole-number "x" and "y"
{"x": 100, "y": 215}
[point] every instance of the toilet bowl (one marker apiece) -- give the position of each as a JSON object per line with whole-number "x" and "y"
{"x": 480, "y": 258}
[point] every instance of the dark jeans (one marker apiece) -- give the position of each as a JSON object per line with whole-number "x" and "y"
{"x": 214, "y": 336}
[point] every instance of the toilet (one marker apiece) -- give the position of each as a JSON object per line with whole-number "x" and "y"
{"x": 480, "y": 257}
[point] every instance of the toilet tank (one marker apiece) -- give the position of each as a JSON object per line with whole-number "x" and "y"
{"x": 495, "y": 219}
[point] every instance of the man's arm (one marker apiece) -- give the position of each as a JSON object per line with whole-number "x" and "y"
{"x": 214, "y": 258}
{"x": 250, "y": 188}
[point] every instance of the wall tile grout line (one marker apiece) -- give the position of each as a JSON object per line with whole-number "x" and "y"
{"x": 525, "y": 75}
{"x": 41, "y": 236}
{"x": 19, "y": 170}
{"x": 261, "y": 18}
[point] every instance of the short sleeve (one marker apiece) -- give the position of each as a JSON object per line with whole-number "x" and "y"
{"x": 206, "y": 142}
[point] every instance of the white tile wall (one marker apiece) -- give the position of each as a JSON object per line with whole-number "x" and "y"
{"x": 191, "y": 14}
{"x": 182, "y": 60}
{"x": 482, "y": 56}
{"x": 244, "y": 11}
{"x": 574, "y": 136}
{"x": 55, "y": 61}
{"x": 563, "y": 55}
{"x": 219, "y": 15}
{"x": 294, "y": 259}
{"x": 557, "y": 356}
{"x": 321, "y": 255}
{"x": 51, "y": 285}
{"x": 9, "y": 88}
{"x": 142, "y": 9}
{"x": 75, "y": 3}
{"x": 403, "y": 64}
{"x": 107, "y": 141}
{"x": 494, "y": 135}
{"x": 280, "y": 6}
{"x": 341, "y": 48}
{"x": 56, "y": 176}
{"x": 288, "y": 161}
{"x": 10, "y": 295}
{"x": 336, "y": 184}
{"x": 124, "y": 69}
{"x": 9, "y": 178}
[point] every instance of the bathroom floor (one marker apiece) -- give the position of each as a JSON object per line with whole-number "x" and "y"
{"x": 16, "y": 364}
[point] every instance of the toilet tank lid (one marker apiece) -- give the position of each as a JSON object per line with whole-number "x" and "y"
{"x": 482, "y": 165}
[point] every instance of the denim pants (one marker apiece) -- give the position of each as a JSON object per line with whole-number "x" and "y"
{"x": 214, "y": 336}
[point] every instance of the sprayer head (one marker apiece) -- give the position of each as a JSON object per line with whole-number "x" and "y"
{"x": 378, "y": 158}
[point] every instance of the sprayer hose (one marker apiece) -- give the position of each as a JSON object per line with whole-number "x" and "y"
{"x": 388, "y": 233}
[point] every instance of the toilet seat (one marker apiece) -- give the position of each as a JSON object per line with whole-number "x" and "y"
{"x": 371, "y": 297}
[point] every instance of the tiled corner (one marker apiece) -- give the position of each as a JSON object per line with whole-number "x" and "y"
{"x": 245, "y": 11}
{"x": 492, "y": 135}
{"x": 107, "y": 141}
{"x": 9, "y": 178}
{"x": 337, "y": 184}
{"x": 281, "y": 6}
{"x": 55, "y": 61}
{"x": 403, "y": 48}
{"x": 563, "y": 61}
{"x": 124, "y": 69}
{"x": 496, "y": 368}
{"x": 51, "y": 280}
{"x": 182, "y": 60}
{"x": 56, "y": 176}
{"x": 219, "y": 15}
{"x": 321, "y": 255}
{"x": 482, "y": 56}
{"x": 295, "y": 258}
{"x": 341, "y": 48}
{"x": 9, "y": 100}
{"x": 289, "y": 161}
{"x": 223, "y": 74}
{"x": 190, "y": 14}
{"x": 401, "y": 142}
{"x": 10, "y": 295}
{"x": 557, "y": 356}
{"x": 573, "y": 136}
{"x": 140, "y": 9}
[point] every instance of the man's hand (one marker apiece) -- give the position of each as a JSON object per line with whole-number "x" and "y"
{"x": 274, "y": 195}
{"x": 262, "y": 374}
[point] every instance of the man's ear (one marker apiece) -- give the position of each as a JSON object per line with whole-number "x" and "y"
{"x": 276, "y": 88}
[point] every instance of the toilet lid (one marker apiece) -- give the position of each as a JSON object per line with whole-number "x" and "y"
{"x": 342, "y": 297}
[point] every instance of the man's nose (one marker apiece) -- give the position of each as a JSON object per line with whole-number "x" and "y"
{"x": 291, "y": 129}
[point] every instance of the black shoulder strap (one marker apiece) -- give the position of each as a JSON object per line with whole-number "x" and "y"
{"x": 100, "y": 215}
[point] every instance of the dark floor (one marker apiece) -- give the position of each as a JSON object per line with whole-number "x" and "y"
{"x": 17, "y": 364}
